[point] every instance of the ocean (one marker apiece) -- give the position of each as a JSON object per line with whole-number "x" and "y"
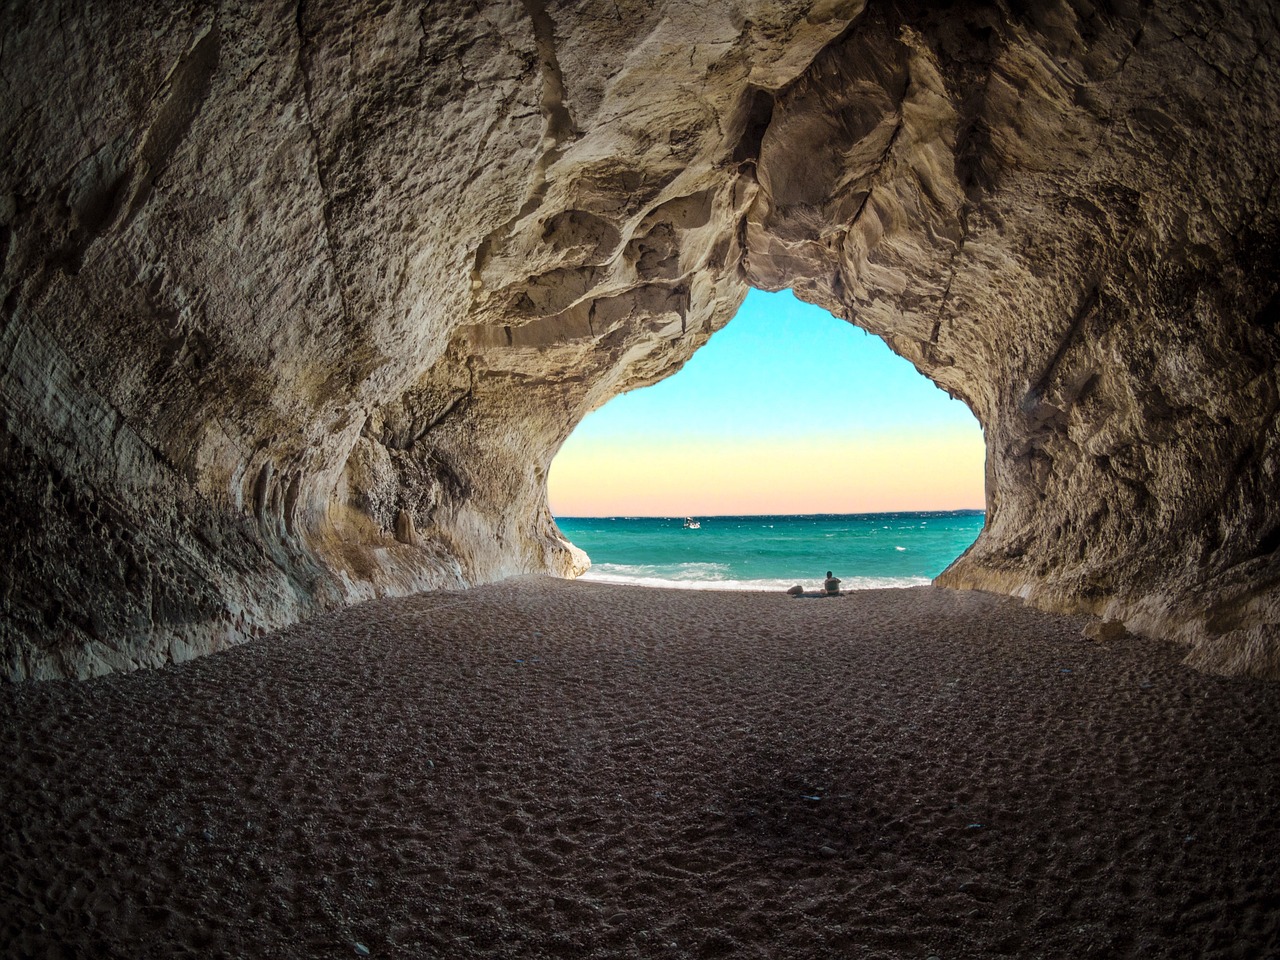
{"x": 865, "y": 550}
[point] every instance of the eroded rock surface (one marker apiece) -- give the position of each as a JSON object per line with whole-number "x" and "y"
{"x": 300, "y": 301}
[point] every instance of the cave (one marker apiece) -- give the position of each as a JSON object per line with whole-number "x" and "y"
{"x": 300, "y": 300}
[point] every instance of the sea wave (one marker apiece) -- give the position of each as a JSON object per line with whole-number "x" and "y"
{"x": 693, "y": 572}
{"x": 711, "y": 576}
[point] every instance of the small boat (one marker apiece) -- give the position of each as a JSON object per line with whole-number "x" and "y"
{"x": 691, "y": 524}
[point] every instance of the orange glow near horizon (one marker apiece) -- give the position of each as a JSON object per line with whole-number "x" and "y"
{"x": 721, "y": 477}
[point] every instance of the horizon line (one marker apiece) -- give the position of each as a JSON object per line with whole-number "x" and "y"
{"x": 721, "y": 516}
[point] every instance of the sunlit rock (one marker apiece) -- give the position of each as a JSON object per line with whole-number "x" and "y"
{"x": 299, "y": 301}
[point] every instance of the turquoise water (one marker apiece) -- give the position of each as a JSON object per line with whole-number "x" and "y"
{"x": 864, "y": 550}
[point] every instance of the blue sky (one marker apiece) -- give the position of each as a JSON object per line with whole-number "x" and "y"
{"x": 787, "y": 409}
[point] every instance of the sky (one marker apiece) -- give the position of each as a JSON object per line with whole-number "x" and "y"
{"x": 785, "y": 410}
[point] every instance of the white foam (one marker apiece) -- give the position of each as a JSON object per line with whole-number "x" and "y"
{"x": 664, "y": 571}
{"x": 636, "y": 577}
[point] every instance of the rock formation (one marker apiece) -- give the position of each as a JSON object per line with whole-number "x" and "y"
{"x": 300, "y": 300}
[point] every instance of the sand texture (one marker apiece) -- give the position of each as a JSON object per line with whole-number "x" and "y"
{"x": 549, "y": 769}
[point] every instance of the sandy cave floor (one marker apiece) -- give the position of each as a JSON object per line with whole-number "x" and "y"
{"x": 541, "y": 768}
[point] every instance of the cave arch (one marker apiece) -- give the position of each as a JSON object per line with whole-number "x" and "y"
{"x": 298, "y": 304}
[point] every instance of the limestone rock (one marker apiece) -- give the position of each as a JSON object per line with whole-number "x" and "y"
{"x": 405, "y": 530}
{"x": 274, "y": 277}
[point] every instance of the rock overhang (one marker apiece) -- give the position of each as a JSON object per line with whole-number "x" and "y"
{"x": 299, "y": 304}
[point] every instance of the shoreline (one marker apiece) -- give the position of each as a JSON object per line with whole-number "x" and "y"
{"x": 550, "y": 767}
{"x": 868, "y": 551}
{"x": 775, "y": 585}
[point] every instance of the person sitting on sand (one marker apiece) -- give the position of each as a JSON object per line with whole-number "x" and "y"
{"x": 831, "y": 585}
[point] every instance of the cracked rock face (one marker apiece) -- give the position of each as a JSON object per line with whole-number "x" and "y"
{"x": 300, "y": 300}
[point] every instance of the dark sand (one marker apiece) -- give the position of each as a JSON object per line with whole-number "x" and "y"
{"x": 549, "y": 769}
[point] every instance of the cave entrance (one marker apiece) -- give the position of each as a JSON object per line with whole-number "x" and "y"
{"x": 796, "y": 442}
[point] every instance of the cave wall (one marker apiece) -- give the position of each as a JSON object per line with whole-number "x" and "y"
{"x": 300, "y": 300}
{"x": 1067, "y": 218}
